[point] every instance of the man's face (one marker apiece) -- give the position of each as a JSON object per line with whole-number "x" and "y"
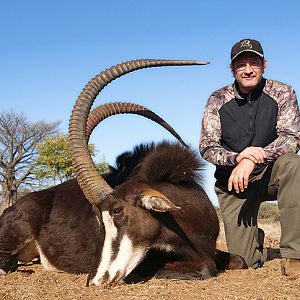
{"x": 247, "y": 69}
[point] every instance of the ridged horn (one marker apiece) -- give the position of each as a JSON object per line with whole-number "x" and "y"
{"x": 106, "y": 110}
{"x": 92, "y": 184}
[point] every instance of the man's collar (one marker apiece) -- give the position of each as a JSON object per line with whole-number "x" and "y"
{"x": 255, "y": 93}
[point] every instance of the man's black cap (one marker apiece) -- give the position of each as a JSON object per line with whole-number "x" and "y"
{"x": 246, "y": 45}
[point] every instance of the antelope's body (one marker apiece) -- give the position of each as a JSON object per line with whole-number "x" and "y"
{"x": 109, "y": 240}
{"x": 149, "y": 215}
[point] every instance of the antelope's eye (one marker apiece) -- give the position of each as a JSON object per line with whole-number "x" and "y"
{"x": 117, "y": 210}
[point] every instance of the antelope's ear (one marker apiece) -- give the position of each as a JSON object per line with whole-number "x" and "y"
{"x": 154, "y": 200}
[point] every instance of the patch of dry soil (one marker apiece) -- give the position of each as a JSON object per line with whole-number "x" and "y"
{"x": 32, "y": 282}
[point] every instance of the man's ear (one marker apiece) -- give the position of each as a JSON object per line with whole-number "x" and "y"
{"x": 265, "y": 64}
{"x": 232, "y": 70}
{"x": 154, "y": 200}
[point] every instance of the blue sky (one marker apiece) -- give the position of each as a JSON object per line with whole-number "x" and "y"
{"x": 50, "y": 49}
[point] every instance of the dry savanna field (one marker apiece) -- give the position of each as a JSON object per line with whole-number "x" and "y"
{"x": 32, "y": 282}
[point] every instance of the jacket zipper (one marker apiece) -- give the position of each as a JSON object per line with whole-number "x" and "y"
{"x": 250, "y": 112}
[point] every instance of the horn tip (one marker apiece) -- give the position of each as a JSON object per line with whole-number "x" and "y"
{"x": 202, "y": 62}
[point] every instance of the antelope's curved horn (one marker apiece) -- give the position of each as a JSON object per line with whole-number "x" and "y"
{"x": 113, "y": 108}
{"x": 92, "y": 184}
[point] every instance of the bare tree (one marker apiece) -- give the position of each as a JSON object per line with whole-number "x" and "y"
{"x": 18, "y": 140}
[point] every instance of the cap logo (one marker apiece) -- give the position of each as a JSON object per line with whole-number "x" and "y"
{"x": 246, "y": 43}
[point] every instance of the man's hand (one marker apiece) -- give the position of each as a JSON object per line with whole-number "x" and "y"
{"x": 240, "y": 175}
{"x": 257, "y": 154}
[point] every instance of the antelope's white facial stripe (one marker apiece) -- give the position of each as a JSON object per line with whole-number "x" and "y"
{"x": 125, "y": 260}
{"x": 110, "y": 235}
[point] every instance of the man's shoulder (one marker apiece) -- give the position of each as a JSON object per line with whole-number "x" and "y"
{"x": 222, "y": 95}
{"x": 275, "y": 88}
{"x": 228, "y": 89}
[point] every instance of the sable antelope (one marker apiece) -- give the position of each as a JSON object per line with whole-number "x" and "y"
{"x": 150, "y": 204}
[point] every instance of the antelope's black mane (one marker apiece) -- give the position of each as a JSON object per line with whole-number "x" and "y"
{"x": 162, "y": 162}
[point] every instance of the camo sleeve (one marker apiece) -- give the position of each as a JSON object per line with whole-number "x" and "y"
{"x": 288, "y": 124}
{"x": 210, "y": 146}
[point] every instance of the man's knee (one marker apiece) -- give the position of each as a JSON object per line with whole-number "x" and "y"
{"x": 289, "y": 157}
{"x": 288, "y": 161}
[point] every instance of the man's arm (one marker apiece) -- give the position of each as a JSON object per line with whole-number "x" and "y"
{"x": 288, "y": 127}
{"x": 210, "y": 147}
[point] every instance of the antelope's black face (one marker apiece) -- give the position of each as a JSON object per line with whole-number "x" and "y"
{"x": 130, "y": 230}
